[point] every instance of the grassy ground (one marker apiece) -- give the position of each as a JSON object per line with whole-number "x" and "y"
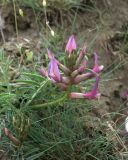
{"x": 68, "y": 129}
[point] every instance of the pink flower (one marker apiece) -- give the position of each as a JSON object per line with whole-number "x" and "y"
{"x": 71, "y": 45}
{"x": 81, "y": 55}
{"x": 53, "y": 71}
{"x": 88, "y": 95}
{"x": 96, "y": 67}
{"x": 94, "y": 92}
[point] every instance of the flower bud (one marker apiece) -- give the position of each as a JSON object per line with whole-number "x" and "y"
{"x": 44, "y": 3}
{"x": 52, "y": 33}
{"x": 53, "y": 71}
{"x": 71, "y": 45}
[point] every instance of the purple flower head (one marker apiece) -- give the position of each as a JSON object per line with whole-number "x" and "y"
{"x": 74, "y": 71}
{"x": 71, "y": 45}
{"x": 53, "y": 71}
{"x": 96, "y": 67}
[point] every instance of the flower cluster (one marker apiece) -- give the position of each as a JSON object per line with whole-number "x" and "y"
{"x": 74, "y": 71}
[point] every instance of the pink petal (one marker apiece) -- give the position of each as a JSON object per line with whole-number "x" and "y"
{"x": 71, "y": 44}
{"x": 96, "y": 67}
{"x": 81, "y": 54}
{"x": 76, "y": 95}
{"x": 82, "y": 77}
{"x": 93, "y": 93}
{"x": 53, "y": 71}
{"x": 88, "y": 95}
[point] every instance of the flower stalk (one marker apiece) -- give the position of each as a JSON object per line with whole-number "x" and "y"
{"x": 52, "y": 103}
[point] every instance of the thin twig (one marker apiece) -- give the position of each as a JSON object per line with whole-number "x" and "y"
{"x": 16, "y": 25}
{"x": 2, "y": 34}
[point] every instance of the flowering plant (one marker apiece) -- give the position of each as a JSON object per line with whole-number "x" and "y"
{"x": 74, "y": 72}
{"x": 64, "y": 76}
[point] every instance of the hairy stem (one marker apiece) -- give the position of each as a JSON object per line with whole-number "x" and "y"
{"x": 55, "y": 102}
{"x": 35, "y": 94}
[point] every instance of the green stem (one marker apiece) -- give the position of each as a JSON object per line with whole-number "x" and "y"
{"x": 35, "y": 94}
{"x": 15, "y": 16}
{"x": 38, "y": 106}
